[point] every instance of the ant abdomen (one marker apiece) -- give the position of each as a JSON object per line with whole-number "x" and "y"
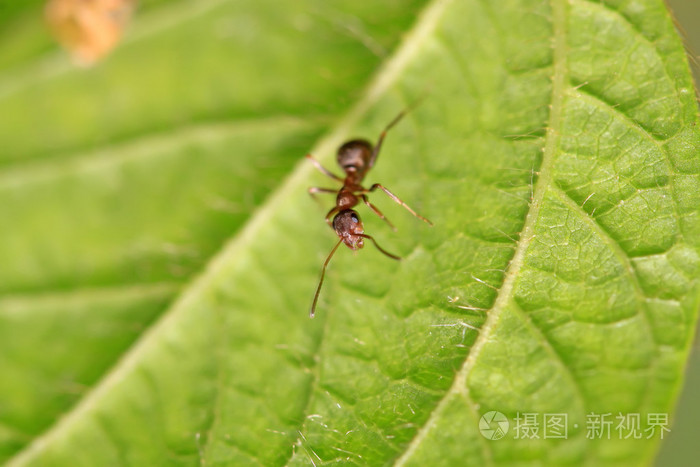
{"x": 355, "y": 155}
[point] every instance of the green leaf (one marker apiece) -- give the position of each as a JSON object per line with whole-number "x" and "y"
{"x": 556, "y": 150}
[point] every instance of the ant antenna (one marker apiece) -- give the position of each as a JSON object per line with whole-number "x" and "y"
{"x": 391, "y": 124}
{"x": 397, "y": 258}
{"x": 323, "y": 275}
{"x": 328, "y": 259}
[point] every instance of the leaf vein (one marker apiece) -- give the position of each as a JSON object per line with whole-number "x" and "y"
{"x": 504, "y": 296}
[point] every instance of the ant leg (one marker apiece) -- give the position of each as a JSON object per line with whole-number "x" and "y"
{"x": 377, "y": 212}
{"x": 397, "y": 258}
{"x": 314, "y": 189}
{"x": 322, "y": 169}
{"x": 323, "y": 275}
{"x": 330, "y": 214}
{"x": 397, "y": 119}
{"x": 396, "y": 198}
{"x": 378, "y": 146}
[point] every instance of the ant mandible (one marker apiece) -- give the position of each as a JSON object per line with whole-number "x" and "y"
{"x": 356, "y": 158}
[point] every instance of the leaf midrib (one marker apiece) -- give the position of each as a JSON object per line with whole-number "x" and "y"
{"x": 425, "y": 24}
{"x": 505, "y": 294}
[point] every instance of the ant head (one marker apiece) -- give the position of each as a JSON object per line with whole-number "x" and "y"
{"x": 354, "y": 156}
{"x": 348, "y": 227}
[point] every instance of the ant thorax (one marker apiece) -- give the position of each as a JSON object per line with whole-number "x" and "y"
{"x": 346, "y": 199}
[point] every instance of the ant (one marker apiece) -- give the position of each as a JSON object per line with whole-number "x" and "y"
{"x": 356, "y": 157}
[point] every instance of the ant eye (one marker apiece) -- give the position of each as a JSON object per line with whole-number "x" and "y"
{"x": 355, "y": 219}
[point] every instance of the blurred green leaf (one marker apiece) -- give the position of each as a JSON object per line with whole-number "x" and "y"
{"x": 556, "y": 152}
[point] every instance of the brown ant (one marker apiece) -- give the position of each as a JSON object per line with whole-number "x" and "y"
{"x": 356, "y": 158}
